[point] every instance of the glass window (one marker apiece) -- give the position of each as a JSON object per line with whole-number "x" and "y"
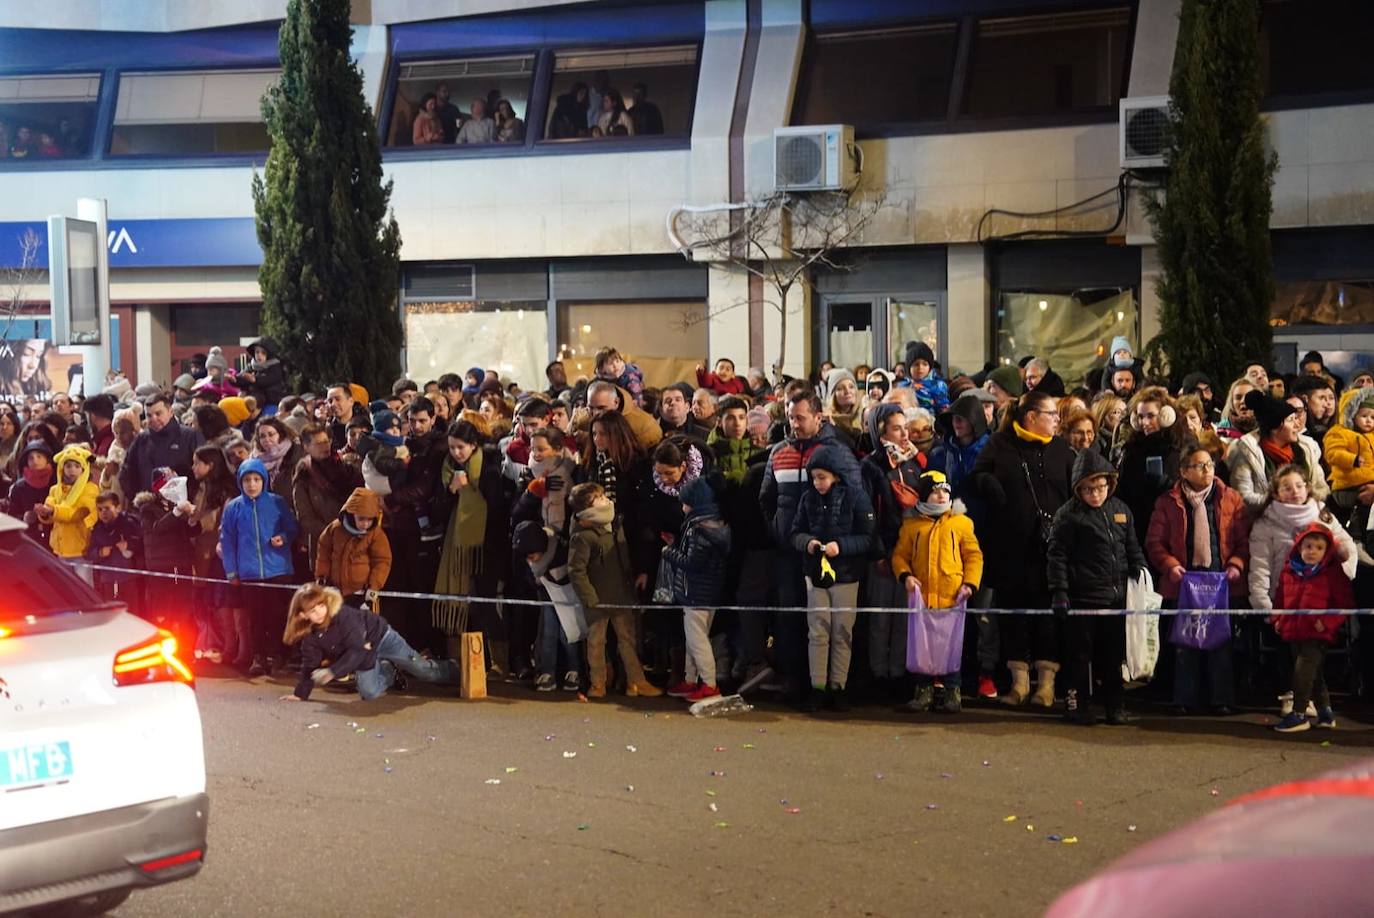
{"x": 912, "y": 320}
{"x": 47, "y": 117}
{"x": 220, "y": 323}
{"x": 1311, "y": 48}
{"x": 849, "y": 331}
{"x": 641, "y": 92}
{"x": 870, "y": 78}
{"x": 449, "y": 337}
{"x": 478, "y": 100}
{"x": 1071, "y": 330}
{"x": 1051, "y": 64}
{"x": 1322, "y": 303}
{"x": 665, "y": 339}
{"x": 191, "y": 113}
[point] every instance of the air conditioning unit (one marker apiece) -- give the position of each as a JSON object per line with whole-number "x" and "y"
{"x": 1144, "y": 129}
{"x": 813, "y": 158}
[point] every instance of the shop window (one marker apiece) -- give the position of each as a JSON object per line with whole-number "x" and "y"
{"x": 1315, "y": 48}
{"x": 1072, "y": 330}
{"x": 206, "y": 325}
{"x": 470, "y": 101}
{"x": 666, "y": 339}
{"x": 1053, "y": 64}
{"x": 47, "y": 116}
{"x": 1322, "y": 303}
{"x": 878, "y": 77}
{"x": 191, "y": 113}
{"x": 449, "y": 337}
{"x": 644, "y": 92}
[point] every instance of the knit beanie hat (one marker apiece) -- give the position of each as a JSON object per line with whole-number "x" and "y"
{"x": 698, "y": 495}
{"x": 235, "y": 409}
{"x": 1119, "y": 343}
{"x": 757, "y": 420}
{"x": 529, "y": 538}
{"x": 929, "y": 482}
{"x": 1009, "y": 379}
{"x": 384, "y": 420}
{"x": 826, "y": 457}
{"x": 215, "y": 360}
{"x": 184, "y": 381}
{"x": 878, "y": 379}
{"x": 1269, "y": 411}
{"x": 836, "y": 376}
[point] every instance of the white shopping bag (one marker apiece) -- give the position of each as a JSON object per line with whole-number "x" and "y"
{"x": 1142, "y": 629}
{"x": 567, "y": 608}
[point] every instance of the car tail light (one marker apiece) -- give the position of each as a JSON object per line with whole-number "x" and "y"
{"x": 154, "y": 660}
{"x": 176, "y": 860}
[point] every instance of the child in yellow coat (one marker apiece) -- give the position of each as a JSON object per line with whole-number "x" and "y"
{"x": 936, "y": 549}
{"x": 70, "y": 506}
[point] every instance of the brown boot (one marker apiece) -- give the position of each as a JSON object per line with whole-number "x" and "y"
{"x": 1044, "y": 690}
{"x": 596, "y": 690}
{"x": 1020, "y": 683}
{"x": 643, "y": 688}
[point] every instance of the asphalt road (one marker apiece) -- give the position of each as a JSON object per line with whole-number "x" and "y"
{"x": 634, "y": 807}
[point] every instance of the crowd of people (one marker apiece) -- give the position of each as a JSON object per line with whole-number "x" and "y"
{"x": 488, "y": 120}
{"x": 609, "y": 536}
{"x": 43, "y": 138}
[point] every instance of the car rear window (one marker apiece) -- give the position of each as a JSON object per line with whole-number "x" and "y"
{"x": 37, "y": 583}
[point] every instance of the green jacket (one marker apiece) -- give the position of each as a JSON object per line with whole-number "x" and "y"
{"x": 598, "y": 567}
{"x": 732, "y": 456}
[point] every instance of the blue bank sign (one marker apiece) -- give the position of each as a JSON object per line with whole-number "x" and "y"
{"x": 208, "y": 243}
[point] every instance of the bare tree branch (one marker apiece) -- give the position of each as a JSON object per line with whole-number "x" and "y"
{"x": 16, "y": 280}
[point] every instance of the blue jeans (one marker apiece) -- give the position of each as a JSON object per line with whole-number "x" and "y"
{"x": 1189, "y": 667}
{"x": 552, "y": 641}
{"x": 394, "y": 653}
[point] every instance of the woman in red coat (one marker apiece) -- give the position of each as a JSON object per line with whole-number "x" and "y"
{"x": 1199, "y": 525}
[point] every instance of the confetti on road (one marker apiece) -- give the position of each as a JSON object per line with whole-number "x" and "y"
{"x": 932, "y": 806}
{"x": 387, "y": 769}
{"x": 511, "y": 769}
{"x": 763, "y": 729}
{"x": 1130, "y": 828}
{"x": 945, "y": 774}
{"x": 312, "y": 726}
{"x": 878, "y": 776}
{"x": 722, "y": 825}
{"x": 713, "y": 808}
{"x": 351, "y": 723}
{"x": 550, "y": 737}
{"x": 569, "y": 755}
{"x": 1071, "y": 840}
{"x": 748, "y": 745}
{"x": 591, "y": 745}
{"x": 1326, "y": 743}
{"x": 631, "y": 749}
{"x": 1215, "y": 792}
{"x": 431, "y": 738}
{"x": 378, "y": 735}
{"x": 493, "y": 780}
{"x": 717, "y": 774}
{"x": 360, "y": 730}
{"x": 582, "y": 827}
{"x": 710, "y": 793}
{"x": 1008, "y": 818}
{"x": 1054, "y": 838}
{"x": 1030, "y": 828}
{"x": 793, "y": 810}
{"x": 630, "y": 788}
{"x": 986, "y": 763}
{"x": 718, "y": 749}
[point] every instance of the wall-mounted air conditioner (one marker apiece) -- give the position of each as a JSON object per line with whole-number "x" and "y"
{"x": 1143, "y": 129}
{"x": 814, "y": 158}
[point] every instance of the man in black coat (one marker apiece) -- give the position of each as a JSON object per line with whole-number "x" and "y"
{"x": 416, "y": 537}
{"x": 163, "y": 443}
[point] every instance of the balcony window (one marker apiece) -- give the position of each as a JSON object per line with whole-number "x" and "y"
{"x": 471, "y": 101}
{"x": 193, "y": 113}
{"x": 1056, "y": 64}
{"x": 871, "y": 78}
{"x": 1317, "y": 48}
{"x": 1070, "y": 329}
{"x": 47, "y": 116}
{"x": 644, "y": 92}
{"x": 1322, "y": 302}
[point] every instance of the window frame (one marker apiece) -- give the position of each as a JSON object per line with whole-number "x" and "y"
{"x": 955, "y": 120}
{"x": 103, "y": 78}
{"x": 240, "y": 158}
{"x": 1279, "y": 102}
{"x": 440, "y": 150}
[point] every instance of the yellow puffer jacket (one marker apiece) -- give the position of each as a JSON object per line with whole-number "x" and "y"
{"x": 942, "y": 553}
{"x": 71, "y": 530}
{"x": 1349, "y": 453}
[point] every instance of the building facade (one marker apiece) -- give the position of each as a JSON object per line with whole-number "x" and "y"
{"x": 986, "y": 137}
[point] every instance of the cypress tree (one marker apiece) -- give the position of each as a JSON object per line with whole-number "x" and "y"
{"x": 331, "y": 247}
{"x": 1212, "y": 225}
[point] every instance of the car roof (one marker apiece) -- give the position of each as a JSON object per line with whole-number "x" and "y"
{"x": 10, "y": 524}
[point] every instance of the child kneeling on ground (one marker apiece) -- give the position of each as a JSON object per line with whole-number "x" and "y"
{"x": 599, "y": 570}
{"x": 353, "y": 641}
{"x": 1092, "y": 552}
{"x": 1312, "y": 580}
{"x": 937, "y": 549}
{"x": 698, "y": 558}
{"x": 833, "y": 529}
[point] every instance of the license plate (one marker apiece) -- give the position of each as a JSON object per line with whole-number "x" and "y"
{"x": 41, "y": 763}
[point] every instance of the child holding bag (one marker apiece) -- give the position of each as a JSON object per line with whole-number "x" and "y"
{"x": 937, "y": 551}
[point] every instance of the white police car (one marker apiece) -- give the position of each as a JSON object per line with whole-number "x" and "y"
{"x": 102, "y": 767}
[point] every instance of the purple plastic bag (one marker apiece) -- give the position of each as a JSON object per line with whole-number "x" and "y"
{"x": 934, "y": 640}
{"x": 1201, "y": 630}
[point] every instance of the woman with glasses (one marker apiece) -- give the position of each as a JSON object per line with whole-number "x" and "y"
{"x": 1149, "y": 460}
{"x": 1200, "y": 524}
{"x": 1023, "y": 474}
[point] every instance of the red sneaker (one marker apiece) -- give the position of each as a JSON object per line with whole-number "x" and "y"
{"x": 986, "y": 687}
{"x": 683, "y": 689}
{"x": 703, "y": 692}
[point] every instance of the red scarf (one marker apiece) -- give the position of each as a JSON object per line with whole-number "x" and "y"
{"x": 1282, "y": 455}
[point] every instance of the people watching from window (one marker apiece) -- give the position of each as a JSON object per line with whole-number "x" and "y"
{"x": 646, "y": 115}
{"x": 570, "y": 113}
{"x": 614, "y": 115}
{"x": 449, "y": 115}
{"x": 22, "y": 146}
{"x": 509, "y": 127}
{"x": 427, "y": 129}
{"x": 479, "y": 128}
{"x": 601, "y": 84}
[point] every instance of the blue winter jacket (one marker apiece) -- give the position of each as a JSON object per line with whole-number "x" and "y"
{"x": 247, "y": 527}
{"x": 957, "y": 462}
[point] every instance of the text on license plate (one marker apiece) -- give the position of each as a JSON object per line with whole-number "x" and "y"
{"x": 41, "y": 763}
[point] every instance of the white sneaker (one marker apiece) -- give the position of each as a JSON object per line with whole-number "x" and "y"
{"x": 1311, "y": 709}
{"x": 1285, "y": 704}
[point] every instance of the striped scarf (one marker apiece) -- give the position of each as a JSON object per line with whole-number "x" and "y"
{"x": 606, "y": 475}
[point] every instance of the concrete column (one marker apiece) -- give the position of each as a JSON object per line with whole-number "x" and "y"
{"x": 1150, "y": 270}
{"x": 727, "y": 306}
{"x": 153, "y": 339}
{"x": 969, "y": 300}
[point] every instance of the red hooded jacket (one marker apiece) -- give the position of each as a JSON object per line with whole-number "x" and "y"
{"x": 1325, "y": 588}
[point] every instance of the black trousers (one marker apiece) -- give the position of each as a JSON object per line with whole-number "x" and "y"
{"x": 266, "y": 603}
{"x": 1097, "y": 648}
{"x": 1027, "y": 637}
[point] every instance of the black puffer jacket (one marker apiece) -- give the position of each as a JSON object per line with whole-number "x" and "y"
{"x": 1092, "y": 551}
{"x": 699, "y": 559}
{"x": 844, "y": 516}
{"x": 1142, "y": 481}
{"x": 1003, "y": 476}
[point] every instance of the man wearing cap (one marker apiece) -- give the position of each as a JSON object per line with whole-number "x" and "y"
{"x": 164, "y": 442}
{"x": 675, "y": 413}
{"x": 1276, "y": 441}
